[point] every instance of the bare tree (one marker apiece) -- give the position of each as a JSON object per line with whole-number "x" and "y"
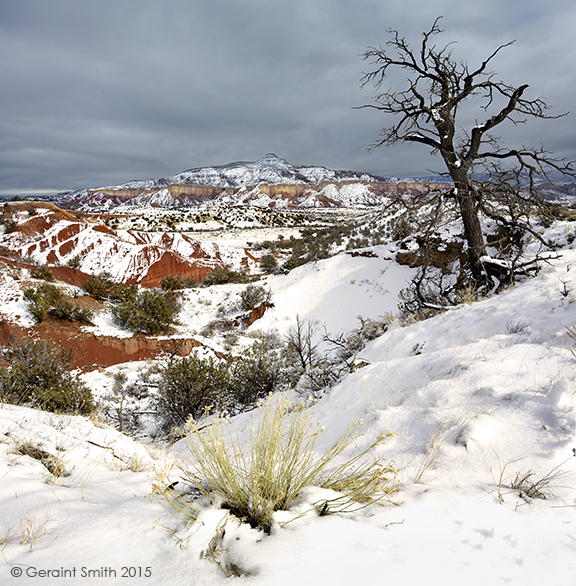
{"x": 426, "y": 112}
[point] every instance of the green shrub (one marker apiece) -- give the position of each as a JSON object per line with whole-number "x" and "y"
{"x": 253, "y": 296}
{"x": 41, "y": 299}
{"x": 9, "y": 224}
{"x": 189, "y": 386}
{"x": 148, "y": 312}
{"x": 222, "y": 275}
{"x": 75, "y": 262}
{"x": 46, "y": 299}
{"x": 268, "y": 263}
{"x": 38, "y": 375}
{"x": 42, "y": 272}
{"x": 171, "y": 283}
{"x": 259, "y": 373}
{"x": 103, "y": 287}
{"x": 268, "y": 473}
{"x": 68, "y": 311}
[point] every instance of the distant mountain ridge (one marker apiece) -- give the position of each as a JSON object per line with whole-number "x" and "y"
{"x": 269, "y": 182}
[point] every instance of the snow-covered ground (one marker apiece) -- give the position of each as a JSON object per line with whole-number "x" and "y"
{"x": 476, "y": 396}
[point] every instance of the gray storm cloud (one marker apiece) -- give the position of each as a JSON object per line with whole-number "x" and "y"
{"x": 94, "y": 93}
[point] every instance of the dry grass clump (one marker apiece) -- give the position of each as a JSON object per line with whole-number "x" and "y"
{"x": 217, "y": 554}
{"x": 32, "y": 528}
{"x": 529, "y": 484}
{"x": 54, "y": 464}
{"x": 268, "y": 472}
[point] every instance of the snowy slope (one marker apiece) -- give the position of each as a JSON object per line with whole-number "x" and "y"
{"x": 475, "y": 396}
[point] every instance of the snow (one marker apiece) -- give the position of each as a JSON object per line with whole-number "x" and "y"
{"x": 335, "y": 291}
{"x": 243, "y": 178}
{"x": 475, "y": 395}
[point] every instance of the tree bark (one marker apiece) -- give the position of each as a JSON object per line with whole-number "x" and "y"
{"x": 472, "y": 227}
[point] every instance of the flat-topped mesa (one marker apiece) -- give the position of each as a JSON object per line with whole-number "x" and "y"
{"x": 269, "y": 182}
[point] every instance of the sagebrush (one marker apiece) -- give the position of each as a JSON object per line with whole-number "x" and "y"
{"x": 267, "y": 471}
{"x": 37, "y": 374}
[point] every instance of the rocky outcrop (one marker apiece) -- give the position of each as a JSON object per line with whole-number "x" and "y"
{"x": 91, "y": 351}
{"x": 61, "y": 240}
{"x": 293, "y": 194}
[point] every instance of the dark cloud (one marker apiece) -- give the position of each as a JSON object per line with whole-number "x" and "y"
{"x": 101, "y": 92}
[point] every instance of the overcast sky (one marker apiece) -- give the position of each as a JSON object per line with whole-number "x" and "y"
{"x": 100, "y": 92}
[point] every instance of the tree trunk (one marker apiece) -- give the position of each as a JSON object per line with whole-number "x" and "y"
{"x": 472, "y": 227}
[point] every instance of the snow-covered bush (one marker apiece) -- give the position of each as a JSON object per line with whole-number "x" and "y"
{"x": 253, "y": 296}
{"x": 260, "y": 372}
{"x": 268, "y": 263}
{"x": 268, "y": 471}
{"x": 190, "y": 386}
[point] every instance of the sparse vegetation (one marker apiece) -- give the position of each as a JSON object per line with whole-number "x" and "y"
{"x": 529, "y": 484}
{"x": 47, "y": 299}
{"x": 54, "y": 464}
{"x": 8, "y": 223}
{"x": 121, "y": 403}
{"x": 147, "y": 312}
{"x": 75, "y": 262}
{"x": 37, "y": 375}
{"x": 253, "y": 296}
{"x": 277, "y": 462}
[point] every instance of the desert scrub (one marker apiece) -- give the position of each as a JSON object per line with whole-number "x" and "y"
{"x": 102, "y": 287}
{"x": 148, "y": 312}
{"x": 42, "y": 272}
{"x": 267, "y": 473}
{"x": 268, "y": 263}
{"x": 68, "y": 311}
{"x": 188, "y": 386}
{"x": 253, "y": 296}
{"x": 172, "y": 283}
{"x": 37, "y": 375}
{"x": 222, "y": 275}
{"x": 41, "y": 299}
{"x": 47, "y": 299}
